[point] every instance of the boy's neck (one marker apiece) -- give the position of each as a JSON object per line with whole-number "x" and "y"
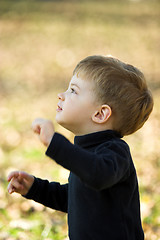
{"x": 95, "y": 129}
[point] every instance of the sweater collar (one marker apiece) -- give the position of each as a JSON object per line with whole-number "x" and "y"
{"x": 95, "y": 138}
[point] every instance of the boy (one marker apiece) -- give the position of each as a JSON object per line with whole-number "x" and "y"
{"x": 106, "y": 100}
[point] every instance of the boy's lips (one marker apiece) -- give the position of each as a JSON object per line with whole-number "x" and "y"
{"x": 59, "y": 108}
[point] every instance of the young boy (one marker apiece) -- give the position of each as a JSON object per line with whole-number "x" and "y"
{"x": 106, "y": 100}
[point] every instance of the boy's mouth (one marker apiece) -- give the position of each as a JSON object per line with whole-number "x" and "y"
{"x": 59, "y": 108}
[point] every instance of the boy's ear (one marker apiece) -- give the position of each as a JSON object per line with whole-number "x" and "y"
{"x": 102, "y": 115}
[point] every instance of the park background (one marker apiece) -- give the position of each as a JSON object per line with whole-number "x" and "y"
{"x": 40, "y": 44}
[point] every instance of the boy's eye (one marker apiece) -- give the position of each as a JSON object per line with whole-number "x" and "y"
{"x": 73, "y": 91}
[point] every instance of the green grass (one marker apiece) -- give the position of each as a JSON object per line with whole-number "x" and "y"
{"x": 41, "y": 42}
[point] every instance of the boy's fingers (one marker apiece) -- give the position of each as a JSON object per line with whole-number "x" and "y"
{"x": 36, "y": 124}
{"x": 36, "y": 129}
{"x": 10, "y": 188}
{"x": 13, "y": 174}
{"x": 15, "y": 183}
{"x": 25, "y": 176}
{"x": 20, "y": 175}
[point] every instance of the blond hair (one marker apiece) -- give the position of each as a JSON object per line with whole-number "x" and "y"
{"x": 121, "y": 86}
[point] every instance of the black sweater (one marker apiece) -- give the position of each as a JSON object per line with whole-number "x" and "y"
{"x": 102, "y": 197}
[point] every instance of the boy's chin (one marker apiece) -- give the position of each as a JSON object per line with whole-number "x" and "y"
{"x": 58, "y": 120}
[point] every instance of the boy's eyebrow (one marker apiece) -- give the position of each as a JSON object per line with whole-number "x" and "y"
{"x": 74, "y": 84}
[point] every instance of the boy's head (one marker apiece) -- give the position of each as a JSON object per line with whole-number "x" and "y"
{"x": 122, "y": 87}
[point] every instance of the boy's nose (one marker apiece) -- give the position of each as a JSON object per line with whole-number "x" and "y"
{"x": 61, "y": 96}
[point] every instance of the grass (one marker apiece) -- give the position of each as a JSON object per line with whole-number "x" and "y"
{"x": 41, "y": 42}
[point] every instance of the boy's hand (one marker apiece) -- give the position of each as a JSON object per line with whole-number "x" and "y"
{"x": 19, "y": 182}
{"x": 45, "y": 129}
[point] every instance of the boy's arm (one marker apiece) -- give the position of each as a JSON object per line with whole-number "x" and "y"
{"x": 50, "y": 194}
{"x": 98, "y": 170}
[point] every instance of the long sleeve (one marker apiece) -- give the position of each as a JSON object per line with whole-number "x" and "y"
{"x": 107, "y": 165}
{"x": 50, "y": 194}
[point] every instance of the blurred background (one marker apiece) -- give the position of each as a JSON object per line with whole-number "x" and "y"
{"x": 41, "y": 42}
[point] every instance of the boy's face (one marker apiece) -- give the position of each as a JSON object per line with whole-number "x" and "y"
{"x": 76, "y": 106}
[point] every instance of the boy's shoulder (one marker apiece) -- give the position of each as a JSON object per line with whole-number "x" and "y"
{"x": 114, "y": 146}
